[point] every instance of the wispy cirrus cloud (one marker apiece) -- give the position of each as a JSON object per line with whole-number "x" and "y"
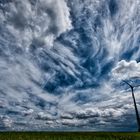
{"x": 58, "y": 60}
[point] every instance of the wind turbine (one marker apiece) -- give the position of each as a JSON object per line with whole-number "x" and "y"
{"x": 135, "y": 105}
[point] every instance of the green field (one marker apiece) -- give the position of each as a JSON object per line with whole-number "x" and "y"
{"x": 68, "y": 136}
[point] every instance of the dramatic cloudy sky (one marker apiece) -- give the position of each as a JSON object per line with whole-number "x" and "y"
{"x": 62, "y": 63}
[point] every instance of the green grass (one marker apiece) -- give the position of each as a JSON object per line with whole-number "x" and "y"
{"x": 68, "y": 136}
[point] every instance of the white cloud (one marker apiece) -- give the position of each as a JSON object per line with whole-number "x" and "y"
{"x": 125, "y": 70}
{"x": 22, "y": 82}
{"x": 42, "y": 21}
{"x": 28, "y": 112}
{"x": 6, "y": 121}
{"x": 44, "y": 116}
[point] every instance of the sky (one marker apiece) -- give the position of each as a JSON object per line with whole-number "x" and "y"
{"x": 62, "y": 63}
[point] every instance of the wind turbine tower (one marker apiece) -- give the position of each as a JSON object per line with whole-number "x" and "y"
{"x": 135, "y": 105}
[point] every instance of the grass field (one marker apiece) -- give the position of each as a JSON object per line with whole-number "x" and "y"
{"x": 68, "y": 136}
